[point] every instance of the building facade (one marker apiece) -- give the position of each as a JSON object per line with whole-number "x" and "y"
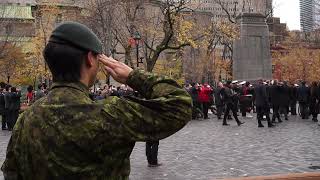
{"x": 17, "y": 21}
{"x": 21, "y": 19}
{"x": 309, "y": 15}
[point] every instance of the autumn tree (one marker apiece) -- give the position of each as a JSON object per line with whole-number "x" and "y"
{"x": 12, "y": 53}
{"x": 167, "y": 30}
{"x": 296, "y": 59}
{"x": 158, "y": 24}
{"x": 47, "y": 15}
{"x": 12, "y": 59}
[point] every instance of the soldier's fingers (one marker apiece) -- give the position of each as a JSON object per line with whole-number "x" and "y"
{"x": 106, "y": 60}
{"x": 109, "y": 59}
{"x": 110, "y": 71}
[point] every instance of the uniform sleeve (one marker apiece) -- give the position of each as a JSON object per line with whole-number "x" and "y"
{"x": 164, "y": 109}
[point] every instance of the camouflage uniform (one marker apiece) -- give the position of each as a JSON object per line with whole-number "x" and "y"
{"x": 66, "y": 135}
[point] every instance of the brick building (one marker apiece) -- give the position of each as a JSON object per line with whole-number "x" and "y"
{"x": 17, "y": 21}
{"x": 23, "y": 19}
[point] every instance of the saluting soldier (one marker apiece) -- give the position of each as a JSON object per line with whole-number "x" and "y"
{"x": 66, "y": 135}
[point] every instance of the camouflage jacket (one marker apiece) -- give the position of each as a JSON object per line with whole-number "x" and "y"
{"x": 65, "y": 135}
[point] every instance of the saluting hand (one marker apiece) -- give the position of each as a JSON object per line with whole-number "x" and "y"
{"x": 118, "y": 70}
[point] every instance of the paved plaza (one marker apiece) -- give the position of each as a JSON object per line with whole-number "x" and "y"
{"x": 206, "y": 150}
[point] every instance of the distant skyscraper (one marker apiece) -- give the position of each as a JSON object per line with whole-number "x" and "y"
{"x": 309, "y": 14}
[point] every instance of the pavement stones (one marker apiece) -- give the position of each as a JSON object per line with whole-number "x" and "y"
{"x": 206, "y": 150}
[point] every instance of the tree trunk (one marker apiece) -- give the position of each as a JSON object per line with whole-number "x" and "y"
{"x": 128, "y": 59}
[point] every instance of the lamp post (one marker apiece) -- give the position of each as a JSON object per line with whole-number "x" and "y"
{"x": 137, "y": 38}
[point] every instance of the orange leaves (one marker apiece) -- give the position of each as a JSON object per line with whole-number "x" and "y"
{"x": 299, "y": 64}
{"x": 171, "y": 68}
{"x": 12, "y": 57}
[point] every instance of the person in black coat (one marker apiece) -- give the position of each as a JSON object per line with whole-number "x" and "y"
{"x": 12, "y": 104}
{"x": 194, "y": 93}
{"x": 262, "y": 103}
{"x": 245, "y": 99}
{"x": 304, "y": 98}
{"x": 275, "y": 99}
{"x": 218, "y": 99}
{"x": 284, "y": 99}
{"x": 293, "y": 99}
{"x": 314, "y": 101}
{"x": 2, "y": 110}
{"x": 230, "y": 99}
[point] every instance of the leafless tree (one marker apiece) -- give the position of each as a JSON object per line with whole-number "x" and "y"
{"x": 161, "y": 35}
{"x": 155, "y": 21}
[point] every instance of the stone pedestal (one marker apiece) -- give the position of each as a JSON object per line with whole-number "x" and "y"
{"x": 251, "y": 52}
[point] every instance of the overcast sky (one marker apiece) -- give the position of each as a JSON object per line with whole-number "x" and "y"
{"x": 288, "y": 11}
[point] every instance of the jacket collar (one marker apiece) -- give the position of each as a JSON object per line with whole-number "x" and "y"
{"x": 75, "y": 85}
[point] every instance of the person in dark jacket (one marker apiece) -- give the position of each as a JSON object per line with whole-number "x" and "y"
{"x": 194, "y": 91}
{"x": 293, "y": 99}
{"x": 275, "y": 93}
{"x": 229, "y": 97}
{"x": 152, "y": 148}
{"x": 304, "y": 98}
{"x": 2, "y": 110}
{"x": 12, "y": 104}
{"x": 284, "y": 99}
{"x": 245, "y": 99}
{"x": 262, "y": 104}
{"x": 40, "y": 93}
{"x": 218, "y": 99}
{"x": 314, "y": 101}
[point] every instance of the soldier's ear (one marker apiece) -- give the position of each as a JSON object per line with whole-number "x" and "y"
{"x": 91, "y": 59}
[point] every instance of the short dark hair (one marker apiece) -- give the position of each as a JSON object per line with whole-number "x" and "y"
{"x": 30, "y": 88}
{"x": 13, "y": 89}
{"x": 40, "y": 86}
{"x": 7, "y": 87}
{"x": 64, "y": 61}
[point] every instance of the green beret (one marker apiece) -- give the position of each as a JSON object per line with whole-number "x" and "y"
{"x": 78, "y": 35}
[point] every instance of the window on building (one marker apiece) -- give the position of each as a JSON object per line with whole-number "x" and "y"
{"x": 9, "y": 29}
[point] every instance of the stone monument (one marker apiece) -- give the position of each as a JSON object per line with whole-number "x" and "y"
{"x": 251, "y": 52}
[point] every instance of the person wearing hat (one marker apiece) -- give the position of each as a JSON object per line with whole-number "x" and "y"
{"x": 229, "y": 98}
{"x": 275, "y": 99}
{"x": 245, "y": 99}
{"x": 262, "y": 103}
{"x": 314, "y": 101}
{"x": 284, "y": 99}
{"x": 66, "y": 135}
{"x": 218, "y": 99}
{"x": 304, "y": 99}
{"x": 293, "y": 99}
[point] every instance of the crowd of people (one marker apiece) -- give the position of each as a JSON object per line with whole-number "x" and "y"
{"x": 10, "y": 102}
{"x": 9, "y": 105}
{"x": 111, "y": 90}
{"x": 262, "y": 97}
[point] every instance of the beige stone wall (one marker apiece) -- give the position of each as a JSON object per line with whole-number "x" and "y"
{"x": 234, "y": 7}
{"x": 17, "y": 28}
